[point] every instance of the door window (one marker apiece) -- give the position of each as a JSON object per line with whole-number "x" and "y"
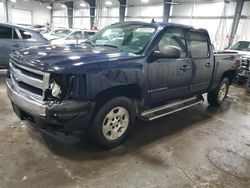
{"x": 25, "y": 34}
{"x": 5, "y": 33}
{"x": 174, "y": 37}
{"x": 198, "y": 44}
{"x": 75, "y": 35}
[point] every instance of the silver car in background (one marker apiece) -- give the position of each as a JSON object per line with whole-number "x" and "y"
{"x": 14, "y": 37}
{"x": 68, "y": 36}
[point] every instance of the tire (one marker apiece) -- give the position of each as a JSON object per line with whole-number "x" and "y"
{"x": 112, "y": 123}
{"x": 218, "y": 96}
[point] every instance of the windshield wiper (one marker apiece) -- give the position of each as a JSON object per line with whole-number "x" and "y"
{"x": 110, "y": 45}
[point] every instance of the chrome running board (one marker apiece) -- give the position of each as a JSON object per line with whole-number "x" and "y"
{"x": 171, "y": 108}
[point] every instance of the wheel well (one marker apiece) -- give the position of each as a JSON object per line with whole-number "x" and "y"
{"x": 230, "y": 75}
{"x": 130, "y": 91}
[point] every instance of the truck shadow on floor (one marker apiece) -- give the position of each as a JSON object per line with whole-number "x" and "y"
{"x": 144, "y": 134}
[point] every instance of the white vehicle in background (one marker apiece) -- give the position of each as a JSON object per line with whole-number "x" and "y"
{"x": 57, "y": 33}
{"x": 243, "y": 49}
{"x": 69, "y": 36}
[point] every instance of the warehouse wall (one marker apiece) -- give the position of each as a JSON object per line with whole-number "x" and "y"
{"x": 144, "y": 13}
{"x": 40, "y": 14}
{"x": 60, "y": 16}
{"x": 207, "y": 15}
{"x": 107, "y": 16}
{"x": 82, "y": 19}
{"x": 2, "y": 12}
{"x": 243, "y": 32}
{"x": 202, "y": 15}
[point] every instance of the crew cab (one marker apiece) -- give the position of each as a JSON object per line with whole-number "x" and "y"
{"x": 125, "y": 71}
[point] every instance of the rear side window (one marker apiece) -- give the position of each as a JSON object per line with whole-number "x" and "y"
{"x": 198, "y": 44}
{"x": 5, "y": 33}
{"x": 25, "y": 34}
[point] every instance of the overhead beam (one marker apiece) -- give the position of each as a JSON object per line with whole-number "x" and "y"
{"x": 51, "y": 14}
{"x": 7, "y": 10}
{"x": 236, "y": 20}
{"x": 70, "y": 7}
{"x": 122, "y": 10}
{"x": 92, "y": 5}
{"x": 166, "y": 10}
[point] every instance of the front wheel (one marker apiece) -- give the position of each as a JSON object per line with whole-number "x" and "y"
{"x": 113, "y": 122}
{"x": 218, "y": 96}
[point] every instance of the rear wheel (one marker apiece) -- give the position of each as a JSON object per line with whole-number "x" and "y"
{"x": 113, "y": 122}
{"x": 218, "y": 96}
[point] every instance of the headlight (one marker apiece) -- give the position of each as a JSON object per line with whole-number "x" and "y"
{"x": 56, "y": 90}
{"x": 66, "y": 87}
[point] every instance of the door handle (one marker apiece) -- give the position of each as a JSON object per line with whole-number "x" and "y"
{"x": 208, "y": 65}
{"x": 184, "y": 68}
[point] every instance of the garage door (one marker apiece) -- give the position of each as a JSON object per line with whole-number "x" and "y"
{"x": 21, "y": 16}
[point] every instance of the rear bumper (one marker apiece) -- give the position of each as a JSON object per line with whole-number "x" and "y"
{"x": 65, "y": 116}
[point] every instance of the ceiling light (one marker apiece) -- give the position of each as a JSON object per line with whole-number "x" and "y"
{"x": 13, "y": 1}
{"x": 63, "y": 6}
{"x": 144, "y": 1}
{"x": 83, "y": 5}
{"x": 109, "y": 3}
{"x": 172, "y": 3}
{"x": 49, "y": 7}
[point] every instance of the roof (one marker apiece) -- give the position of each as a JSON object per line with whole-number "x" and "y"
{"x": 17, "y": 26}
{"x": 159, "y": 24}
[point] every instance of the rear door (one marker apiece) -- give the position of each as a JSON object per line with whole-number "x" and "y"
{"x": 202, "y": 60}
{"x": 169, "y": 78}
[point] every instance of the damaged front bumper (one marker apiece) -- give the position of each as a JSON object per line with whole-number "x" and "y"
{"x": 67, "y": 115}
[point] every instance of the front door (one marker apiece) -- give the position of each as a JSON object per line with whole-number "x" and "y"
{"x": 169, "y": 78}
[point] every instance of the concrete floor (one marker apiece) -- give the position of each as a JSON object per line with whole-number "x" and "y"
{"x": 199, "y": 147}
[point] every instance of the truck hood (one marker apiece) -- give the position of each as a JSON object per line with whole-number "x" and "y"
{"x": 70, "y": 58}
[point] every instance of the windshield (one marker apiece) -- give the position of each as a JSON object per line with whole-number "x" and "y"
{"x": 241, "y": 46}
{"x": 61, "y": 33}
{"x": 130, "y": 39}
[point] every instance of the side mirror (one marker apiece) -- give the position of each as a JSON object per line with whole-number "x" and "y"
{"x": 168, "y": 52}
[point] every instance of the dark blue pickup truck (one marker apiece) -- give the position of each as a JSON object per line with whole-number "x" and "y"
{"x": 126, "y": 71}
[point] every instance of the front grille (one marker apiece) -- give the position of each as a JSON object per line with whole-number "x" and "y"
{"x": 30, "y": 81}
